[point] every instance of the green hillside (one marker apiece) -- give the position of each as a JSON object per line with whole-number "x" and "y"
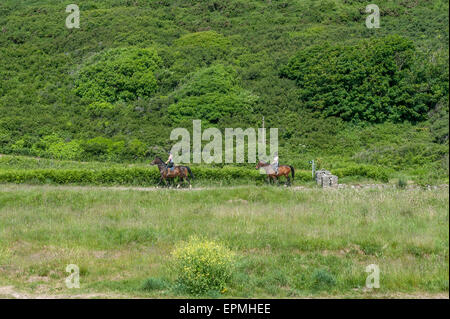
{"x": 339, "y": 93}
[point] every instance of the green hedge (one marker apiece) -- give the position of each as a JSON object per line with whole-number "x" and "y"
{"x": 134, "y": 176}
{"x": 150, "y": 176}
{"x": 372, "y": 172}
{"x": 129, "y": 176}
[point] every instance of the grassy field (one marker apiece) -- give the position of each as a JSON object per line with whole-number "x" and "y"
{"x": 289, "y": 242}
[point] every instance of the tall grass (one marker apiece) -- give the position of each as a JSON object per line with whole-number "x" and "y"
{"x": 288, "y": 243}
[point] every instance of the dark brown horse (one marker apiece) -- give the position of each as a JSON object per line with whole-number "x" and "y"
{"x": 283, "y": 170}
{"x": 167, "y": 174}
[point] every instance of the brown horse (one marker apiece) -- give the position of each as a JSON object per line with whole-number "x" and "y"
{"x": 167, "y": 174}
{"x": 283, "y": 170}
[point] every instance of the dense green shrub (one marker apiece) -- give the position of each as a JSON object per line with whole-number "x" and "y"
{"x": 65, "y": 150}
{"x": 199, "y": 49}
{"x": 372, "y": 172}
{"x": 374, "y": 80}
{"x": 130, "y": 176}
{"x": 102, "y": 146}
{"x": 439, "y": 121}
{"x": 203, "y": 266}
{"x": 54, "y": 146}
{"x": 99, "y": 109}
{"x": 212, "y": 94}
{"x": 119, "y": 74}
{"x": 402, "y": 183}
{"x": 127, "y": 176}
{"x": 209, "y": 42}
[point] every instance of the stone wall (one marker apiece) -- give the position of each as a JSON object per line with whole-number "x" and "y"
{"x": 324, "y": 178}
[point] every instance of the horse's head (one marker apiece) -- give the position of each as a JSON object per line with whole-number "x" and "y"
{"x": 157, "y": 161}
{"x": 260, "y": 164}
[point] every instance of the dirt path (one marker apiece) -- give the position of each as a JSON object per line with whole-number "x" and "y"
{"x": 15, "y": 187}
{"x": 9, "y": 292}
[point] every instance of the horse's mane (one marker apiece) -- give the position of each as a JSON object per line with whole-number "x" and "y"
{"x": 160, "y": 160}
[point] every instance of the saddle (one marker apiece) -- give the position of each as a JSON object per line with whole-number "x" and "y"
{"x": 170, "y": 169}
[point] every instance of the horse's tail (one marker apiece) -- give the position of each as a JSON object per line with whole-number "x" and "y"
{"x": 292, "y": 171}
{"x": 190, "y": 172}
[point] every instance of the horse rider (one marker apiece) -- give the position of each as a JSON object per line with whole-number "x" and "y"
{"x": 169, "y": 161}
{"x": 275, "y": 162}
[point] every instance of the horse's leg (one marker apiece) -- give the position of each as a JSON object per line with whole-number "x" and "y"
{"x": 180, "y": 179}
{"x": 159, "y": 182}
{"x": 184, "y": 177}
{"x": 188, "y": 179}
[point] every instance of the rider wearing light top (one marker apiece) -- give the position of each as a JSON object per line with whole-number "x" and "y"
{"x": 275, "y": 162}
{"x": 169, "y": 161}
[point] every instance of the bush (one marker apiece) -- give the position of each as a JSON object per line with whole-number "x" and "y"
{"x": 148, "y": 176}
{"x": 373, "y": 172}
{"x": 402, "y": 183}
{"x": 199, "y": 49}
{"x": 99, "y": 109}
{"x": 154, "y": 284}
{"x": 121, "y": 176}
{"x": 212, "y": 94}
{"x": 376, "y": 80}
{"x": 103, "y": 147}
{"x": 65, "y": 150}
{"x": 203, "y": 266}
{"x": 322, "y": 279}
{"x": 119, "y": 74}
